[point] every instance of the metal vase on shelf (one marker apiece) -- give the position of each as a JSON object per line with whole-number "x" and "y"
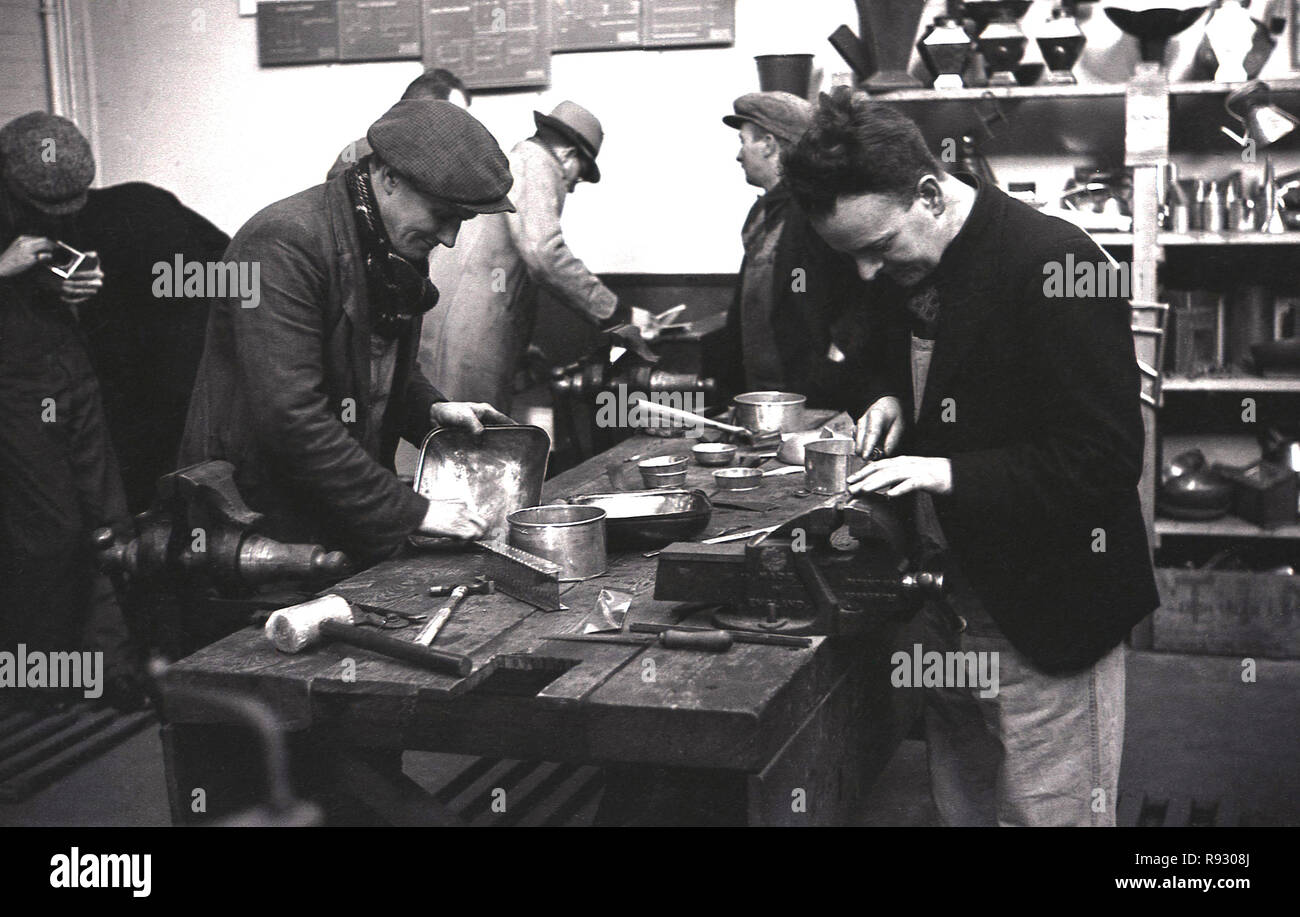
{"x": 946, "y": 50}
{"x": 1002, "y": 43}
{"x": 1061, "y": 42}
{"x": 887, "y": 29}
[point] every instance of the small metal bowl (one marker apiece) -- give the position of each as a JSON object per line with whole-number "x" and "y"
{"x": 663, "y": 463}
{"x": 714, "y": 453}
{"x": 664, "y": 471}
{"x": 664, "y": 478}
{"x": 738, "y": 478}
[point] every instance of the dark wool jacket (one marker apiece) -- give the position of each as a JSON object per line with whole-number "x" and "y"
{"x": 145, "y": 349}
{"x": 1046, "y": 443}
{"x": 282, "y": 388}
{"x": 804, "y": 323}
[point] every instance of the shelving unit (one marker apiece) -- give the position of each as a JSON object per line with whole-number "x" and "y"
{"x": 1146, "y": 121}
{"x": 1227, "y": 527}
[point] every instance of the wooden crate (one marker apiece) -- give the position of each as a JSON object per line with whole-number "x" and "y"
{"x": 1224, "y": 612}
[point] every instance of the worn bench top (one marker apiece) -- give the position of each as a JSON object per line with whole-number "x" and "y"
{"x": 530, "y": 695}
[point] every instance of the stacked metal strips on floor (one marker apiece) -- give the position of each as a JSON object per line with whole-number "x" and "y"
{"x": 38, "y": 748}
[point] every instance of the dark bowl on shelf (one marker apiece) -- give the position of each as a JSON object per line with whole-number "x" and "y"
{"x": 1029, "y": 74}
{"x": 1199, "y": 494}
{"x": 1153, "y": 27}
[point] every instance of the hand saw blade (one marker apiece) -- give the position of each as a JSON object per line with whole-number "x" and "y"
{"x": 523, "y": 576}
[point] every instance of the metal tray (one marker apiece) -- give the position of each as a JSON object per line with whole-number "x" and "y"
{"x": 651, "y": 518}
{"x": 495, "y": 475}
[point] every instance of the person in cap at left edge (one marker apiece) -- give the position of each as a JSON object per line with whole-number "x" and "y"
{"x": 307, "y": 388}
{"x": 59, "y": 477}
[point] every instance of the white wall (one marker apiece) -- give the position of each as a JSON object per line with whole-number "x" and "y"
{"x": 182, "y": 103}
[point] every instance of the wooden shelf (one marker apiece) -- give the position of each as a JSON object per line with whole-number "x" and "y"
{"x": 1228, "y": 238}
{"x": 1076, "y": 91}
{"x": 1227, "y": 527}
{"x": 1229, "y": 384}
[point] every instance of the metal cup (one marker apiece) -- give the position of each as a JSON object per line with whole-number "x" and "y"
{"x": 828, "y": 464}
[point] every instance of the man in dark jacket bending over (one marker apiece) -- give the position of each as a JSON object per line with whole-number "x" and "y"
{"x": 1011, "y": 408}
{"x": 308, "y": 375}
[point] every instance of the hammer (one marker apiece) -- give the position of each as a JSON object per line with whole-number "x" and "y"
{"x": 300, "y": 627}
{"x": 481, "y": 586}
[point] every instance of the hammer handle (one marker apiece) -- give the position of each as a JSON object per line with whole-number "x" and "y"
{"x": 423, "y": 656}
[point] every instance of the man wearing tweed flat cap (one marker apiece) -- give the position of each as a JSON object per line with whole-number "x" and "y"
{"x": 788, "y": 329}
{"x": 307, "y": 391}
{"x": 474, "y": 345}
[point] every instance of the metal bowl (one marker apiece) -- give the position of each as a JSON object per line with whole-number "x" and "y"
{"x": 662, "y": 463}
{"x": 651, "y": 518}
{"x": 770, "y": 412}
{"x": 494, "y": 475}
{"x": 714, "y": 453}
{"x": 737, "y": 478}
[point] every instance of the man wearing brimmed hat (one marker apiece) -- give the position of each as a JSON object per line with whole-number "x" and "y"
{"x": 59, "y": 478}
{"x": 307, "y": 392}
{"x": 474, "y": 345}
{"x": 792, "y": 288}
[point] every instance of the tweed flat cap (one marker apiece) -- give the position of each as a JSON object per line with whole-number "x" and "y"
{"x": 782, "y": 114}
{"x": 446, "y": 153}
{"x": 47, "y": 162}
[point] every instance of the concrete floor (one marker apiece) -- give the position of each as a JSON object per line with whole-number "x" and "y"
{"x": 1193, "y": 728}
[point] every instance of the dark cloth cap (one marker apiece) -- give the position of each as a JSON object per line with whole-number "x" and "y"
{"x": 446, "y": 153}
{"x": 47, "y": 162}
{"x": 782, "y": 114}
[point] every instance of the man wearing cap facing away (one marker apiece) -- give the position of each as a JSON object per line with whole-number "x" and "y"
{"x": 307, "y": 389}
{"x": 475, "y": 343}
{"x": 788, "y": 328}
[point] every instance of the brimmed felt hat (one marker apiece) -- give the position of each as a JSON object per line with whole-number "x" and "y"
{"x": 47, "y": 162}
{"x": 782, "y": 114}
{"x": 576, "y": 124}
{"x": 446, "y": 153}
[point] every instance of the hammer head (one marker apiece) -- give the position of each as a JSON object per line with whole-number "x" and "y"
{"x": 297, "y": 627}
{"x": 479, "y": 586}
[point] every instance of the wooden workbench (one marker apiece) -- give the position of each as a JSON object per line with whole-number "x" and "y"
{"x": 784, "y": 736}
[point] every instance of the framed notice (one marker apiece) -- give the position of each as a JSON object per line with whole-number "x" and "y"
{"x": 379, "y": 30}
{"x": 688, "y": 23}
{"x": 595, "y": 25}
{"x": 304, "y": 32}
{"x": 490, "y": 44}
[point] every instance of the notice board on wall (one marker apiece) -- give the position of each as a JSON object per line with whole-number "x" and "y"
{"x": 298, "y": 33}
{"x": 490, "y": 44}
{"x": 688, "y": 23}
{"x": 596, "y": 25}
{"x": 379, "y": 30}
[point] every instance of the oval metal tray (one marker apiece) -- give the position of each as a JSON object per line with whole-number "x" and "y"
{"x": 494, "y": 475}
{"x": 651, "y": 518}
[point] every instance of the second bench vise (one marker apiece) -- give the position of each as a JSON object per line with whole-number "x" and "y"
{"x": 836, "y": 570}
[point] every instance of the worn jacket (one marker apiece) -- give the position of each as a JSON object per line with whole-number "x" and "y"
{"x": 828, "y": 306}
{"x": 1035, "y": 400}
{"x": 145, "y": 349}
{"x": 474, "y": 341}
{"x": 282, "y": 388}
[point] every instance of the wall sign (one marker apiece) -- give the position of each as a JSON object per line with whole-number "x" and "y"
{"x": 297, "y": 33}
{"x": 379, "y": 30}
{"x": 490, "y": 44}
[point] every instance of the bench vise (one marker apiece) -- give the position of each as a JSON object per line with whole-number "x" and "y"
{"x": 837, "y": 569}
{"x": 199, "y": 524}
